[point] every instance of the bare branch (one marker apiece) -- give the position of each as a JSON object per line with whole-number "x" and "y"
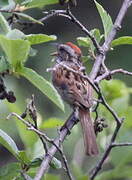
{"x": 68, "y": 14}
{"x": 48, "y": 157}
{"x": 43, "y": 135}
{"x": 106, "y": 74}
{"x": 121, "y": 144}
{"x": 30, "y": 127}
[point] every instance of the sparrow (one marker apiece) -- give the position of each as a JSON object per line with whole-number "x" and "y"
{"x": 75, "y": 90}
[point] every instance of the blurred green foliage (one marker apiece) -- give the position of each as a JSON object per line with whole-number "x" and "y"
{"x": 16, "y": 49}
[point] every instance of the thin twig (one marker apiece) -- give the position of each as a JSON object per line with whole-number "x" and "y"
{"x": 104, "y": 102}
{"x": 84, "y": 29}
{"x": 121, "y": 144}
{"x": 30, "y": 127}
{"x": 66, "y": 164}
{"x": 106, "y": 74}
{"x": 68, "y": 14}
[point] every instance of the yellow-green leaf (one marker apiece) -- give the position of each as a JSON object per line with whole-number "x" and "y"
{"x": 43, "y": 85}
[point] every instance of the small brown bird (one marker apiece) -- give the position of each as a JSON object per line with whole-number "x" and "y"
{"x": 75, "y": 90}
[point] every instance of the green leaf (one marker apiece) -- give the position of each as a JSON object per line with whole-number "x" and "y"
{"x": 28, "y": 138}
{"x": 4, "y": 65}
{"x": 85, "y": 58}
{"x": 33, "y": 52}
{"x": 43, "y": 85}
{"x": 4, "y": 27}
{"x": 86, "y": 41}
{"x": 55, "y": 163}
{"x": 15, "y": 34}
{"x": 22, "y": 156}
{"x": 114, "y": 89}
{"x": 96, "y": 33}
{"x": 40, "y": 38}
{"x": 38, "y": 3}
{"x": 36, "y": 162}
{"x": 8, "y": 143}
{"x": 51, "y": 123}
{"x": 11, "y": 6}
{"x": 16, "y": 50}
{"x": 122, "y": 41}
{"x": 83, "y": 41}
{"x": 106, "y": 19}
{"x": 3, "y": 3}
{"x": 25, "y": 16}
{"x": 10, "y": 171}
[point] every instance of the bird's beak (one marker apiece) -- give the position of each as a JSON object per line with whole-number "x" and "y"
{"x": 54, "y": 54}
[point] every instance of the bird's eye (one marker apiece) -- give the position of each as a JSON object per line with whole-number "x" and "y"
{"x": 61, "y": 49}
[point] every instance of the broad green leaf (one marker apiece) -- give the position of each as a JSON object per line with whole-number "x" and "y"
{"x": 3, "y": 3}
{"x": 55, "y": 163}
{"x": 122, "y": 41}
{"x": 96, "y": 33}
{"x": 40, "y": 38}
{"x": 33, "y": 52}
{"x": 22, "y": 156}
{"x": 86, "y": 41}
{"x": 28, "y": 138}
{"x": 8, "y": 143}
{"x": 114, "y": 89}
{"x": 10, "y": 171}
{"x": 10, "y": 7}
{"x": 4, "y": 27}
{"x": 83, "y": 41}
{"x": 4, "y": 65}
{"x": 15, "y": 34}
{"x": 106, "y": 19}
{"x": 38, "y": 3}
{"x": 16, "y": 50}
{"x": 52, "y": 123}
{"x": 43, "y": 85}
{"x": 85, "y": 58}
{"x": 25, "y": 16}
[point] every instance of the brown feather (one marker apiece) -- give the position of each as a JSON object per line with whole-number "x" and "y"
{"x": 88, "y": 133}
{"x": 77, "y": 92}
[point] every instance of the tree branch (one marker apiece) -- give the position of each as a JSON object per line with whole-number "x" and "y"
{"x": 68, "y": 14}
{"x": 48, "y": 157}
{"x": 56, "y": 143}
{"x": 117, "y": 25}
{"x": 106, "y": 74}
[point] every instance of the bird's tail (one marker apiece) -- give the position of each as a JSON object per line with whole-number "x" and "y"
{"x": 90, "y": 144}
